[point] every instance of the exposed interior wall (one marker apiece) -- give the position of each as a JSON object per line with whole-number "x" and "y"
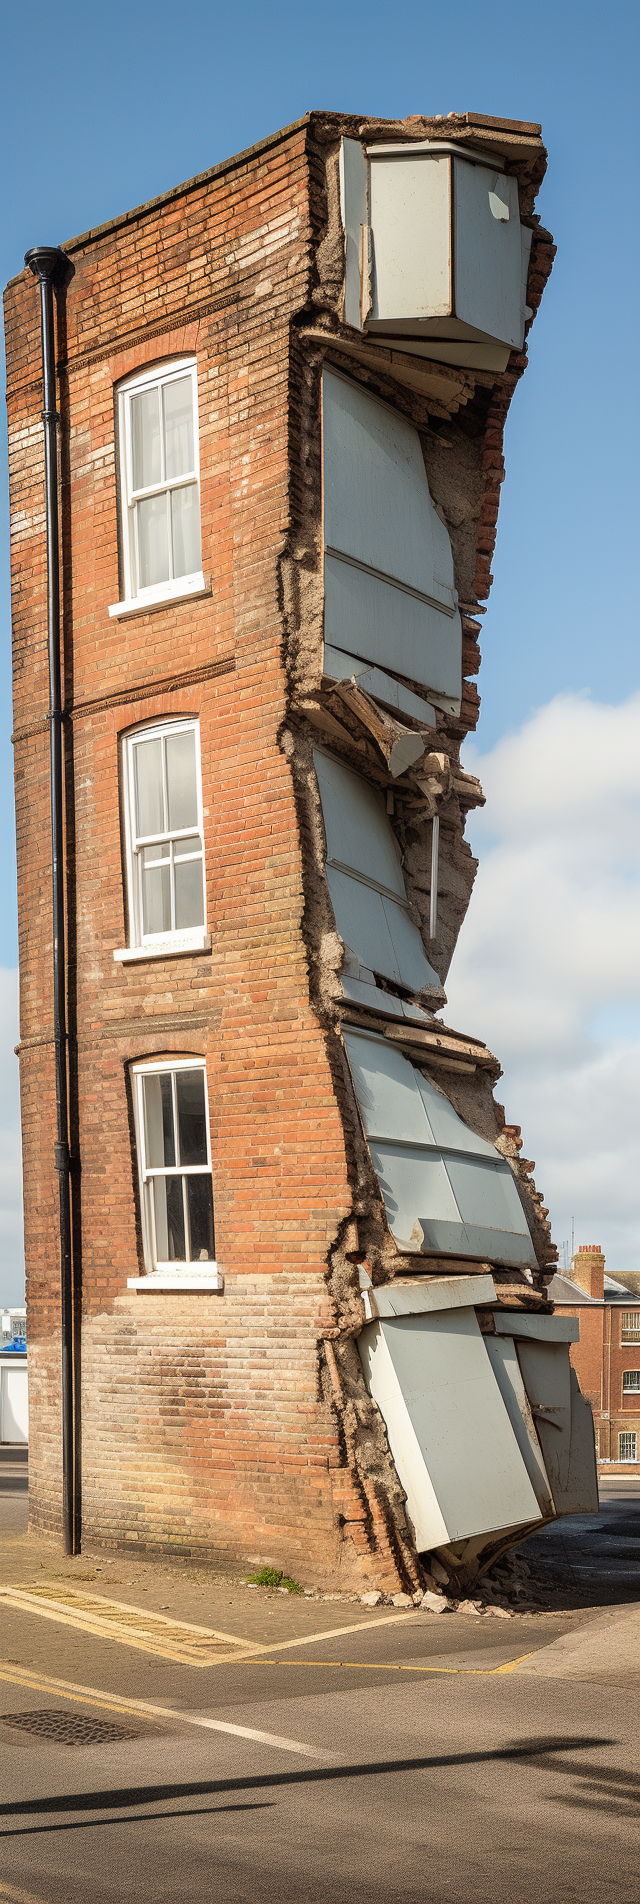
{"x": 459, "y": 418}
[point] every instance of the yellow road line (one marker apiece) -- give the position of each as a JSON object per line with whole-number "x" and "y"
{"x": 249, "y": 1651}
{"x": 92, "y": 1696}
{"x": 392, "y": 1666}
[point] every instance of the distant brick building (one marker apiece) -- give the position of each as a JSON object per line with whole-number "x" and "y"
{"x": 280, "y": 460}
{"x": 607, "y": 1356}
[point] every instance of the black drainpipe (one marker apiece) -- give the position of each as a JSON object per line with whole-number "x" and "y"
{"x": 50, "y": 266}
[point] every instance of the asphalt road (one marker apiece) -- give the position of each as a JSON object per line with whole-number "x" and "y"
{"x": 415, "y": 1758}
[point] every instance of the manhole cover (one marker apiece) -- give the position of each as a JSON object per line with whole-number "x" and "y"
{"x": 72, "y": 1728}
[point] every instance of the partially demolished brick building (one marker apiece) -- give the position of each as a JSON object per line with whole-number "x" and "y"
{"x": 307, "y": 1265}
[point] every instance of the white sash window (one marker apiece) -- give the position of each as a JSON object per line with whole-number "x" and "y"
{"x": 159, "y": 484}
{"x": 165, "y": 846}
{"x": 174, "y": 1159}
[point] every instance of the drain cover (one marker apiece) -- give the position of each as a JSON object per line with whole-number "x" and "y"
{"x": 72, "y": 1728}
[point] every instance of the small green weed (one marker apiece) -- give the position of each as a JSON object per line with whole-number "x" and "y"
{"x": 270, "y": 1577}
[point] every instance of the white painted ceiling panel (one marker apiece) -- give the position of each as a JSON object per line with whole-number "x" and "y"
{"x": 382, "y": 624}
{"x": 414, "y": 1182}
{"x": 410, "y": 217}
{"x": 354, "y": 193}
{"x": 369, "y": 919}
{"x": 390, "y": 1104}
{"x": 377, "y": 506}
{"x": 362, "y": 924}
{"x": 448, "y": 1128}
{"x": 356, "y": 824}
{"x": 485, "y": 1193}
{"x": 413, "y": 968}
{"x": 506, "y": 1368}
{"x": 488, "y": 245}
{"x": 449, "y": 1431}
{"x": 469, "y": 1205}
{"x": 566, "y": 1435}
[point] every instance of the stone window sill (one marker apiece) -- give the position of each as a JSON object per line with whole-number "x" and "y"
{"x": 175, "y": 944}
{"x": 179, "y": 1279}
{"x": 186, "y": 590}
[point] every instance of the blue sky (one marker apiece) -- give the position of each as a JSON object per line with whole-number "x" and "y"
{"x": 104, "y": 108}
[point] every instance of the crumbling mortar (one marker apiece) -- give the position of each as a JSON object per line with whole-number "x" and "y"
{"x": 372, "y": 1467}
{"x": 465, "y": 469}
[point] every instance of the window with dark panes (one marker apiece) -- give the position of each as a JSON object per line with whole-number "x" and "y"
{"x": 174, "y": 1157}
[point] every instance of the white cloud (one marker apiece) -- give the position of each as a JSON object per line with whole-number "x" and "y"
{"x": 11, "y": 1249}
{"x": 547, "y": 969}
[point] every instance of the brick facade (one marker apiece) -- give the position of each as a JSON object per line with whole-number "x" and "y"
{"x": 605, "y": 1352}
{"x": 221, "y": 1422}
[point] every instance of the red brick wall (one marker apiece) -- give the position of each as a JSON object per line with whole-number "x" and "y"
{"x": 599, "y": 1359}
{"x": 202, "y": 1421}
{"x": 208, "y": 1421}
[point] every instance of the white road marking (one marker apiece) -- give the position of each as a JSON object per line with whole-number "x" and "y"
{"x": 335, "y": 1632}
{"x": 112, "y": 1702}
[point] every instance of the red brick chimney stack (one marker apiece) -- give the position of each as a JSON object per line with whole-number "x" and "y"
{"x": 587, "y": 1269}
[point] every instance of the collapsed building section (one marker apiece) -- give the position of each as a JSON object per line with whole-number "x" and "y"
{"x": 310, "y": 1266}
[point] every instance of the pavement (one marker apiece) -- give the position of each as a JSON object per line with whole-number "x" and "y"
{"x": 168, "y": 1732}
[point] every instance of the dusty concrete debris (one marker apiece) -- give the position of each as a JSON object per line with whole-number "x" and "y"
{"x": 435, "y": 1602}
{"x": 439, "y": 1572}
{"x": 371, "y": 1599}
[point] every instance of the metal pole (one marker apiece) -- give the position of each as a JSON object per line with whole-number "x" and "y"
{"x": 50, "y": 265}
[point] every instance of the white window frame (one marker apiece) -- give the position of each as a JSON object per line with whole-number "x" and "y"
{"x": 158, "y": 944}
{"x": 630, "y": 1325}
{"x": 175, "y": 588}
{"x": 161, "y": 1275}
{"x": 631, "y": 1387}
{"x": 628, "y": 1435}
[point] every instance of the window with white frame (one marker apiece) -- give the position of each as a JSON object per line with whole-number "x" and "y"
{"x": 630, "y": 1325}
{"x": 627, "y": 1447}
{"x": 174, "y": 1159}
{"x": 165, "y": 847}
{"x": 159, "y": 483}
{"x": 631, "y": 1381}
